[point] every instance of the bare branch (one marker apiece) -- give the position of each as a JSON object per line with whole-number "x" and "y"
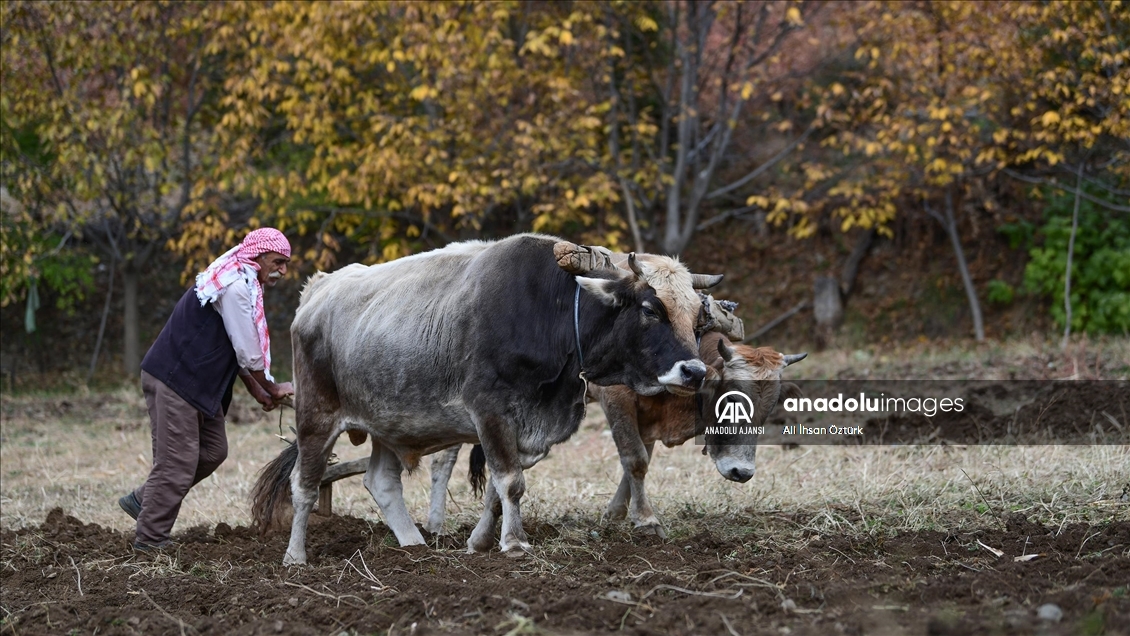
{"x": 1096, "y": 182}
{"x": 776, "y": 321}
{"x": 43, "y": 43}
{"x": 1093, "y": 199}
{"x": 729, "y": 214}
{"x": 402, "y": 216}
{"x": 731, "y": 57}
{"x": 761, "y": 169}
{"x": 632, "y": 222}
{"x": 930, "y": 210}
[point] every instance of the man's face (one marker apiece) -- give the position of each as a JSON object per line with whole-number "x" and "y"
{"x": 272, "y": 267}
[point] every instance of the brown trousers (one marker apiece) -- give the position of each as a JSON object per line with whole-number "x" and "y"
{"x": 187, "y": 446}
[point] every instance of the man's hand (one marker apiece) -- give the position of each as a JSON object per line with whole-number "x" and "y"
{"x": 276, "y": 391}
{"x": 258, "y": 392}
{"x": 264, "y": 398}
{"x": 282, "y": 390}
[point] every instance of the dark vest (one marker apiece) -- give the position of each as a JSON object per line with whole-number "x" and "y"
{"x": 194, "y": 357}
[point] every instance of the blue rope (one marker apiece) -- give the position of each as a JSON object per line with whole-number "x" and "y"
{"x": 577, "y": 324}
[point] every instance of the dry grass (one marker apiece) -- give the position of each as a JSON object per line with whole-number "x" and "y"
{"x": 83, "y": 464}
{"x": 82, "y": 451}
{"x": 1105, "y": 358}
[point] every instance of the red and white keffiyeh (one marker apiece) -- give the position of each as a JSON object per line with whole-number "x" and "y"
{"x": 238, "y": 264}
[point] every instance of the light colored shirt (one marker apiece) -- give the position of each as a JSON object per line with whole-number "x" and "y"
{"x": 235, "y": 307}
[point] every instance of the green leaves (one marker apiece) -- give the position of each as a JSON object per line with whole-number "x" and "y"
{"x": 1100, "y": 280}
{"x": 105, "y": 103}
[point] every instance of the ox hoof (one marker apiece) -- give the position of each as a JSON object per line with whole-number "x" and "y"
{"x": 290, "y": 559}
{"x": 479, "y": 545}
{"x": 516, "y": 550}
{"x": 615, "y": 514}
{"x": 436, "y": 529}
{"x": 413, "y": 538}
{"x": 651, "y": 529}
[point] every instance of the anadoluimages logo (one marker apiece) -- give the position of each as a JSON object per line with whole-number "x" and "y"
{"x": 733, "y": 411}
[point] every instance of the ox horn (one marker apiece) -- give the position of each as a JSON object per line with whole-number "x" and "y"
{"x": 791, "y": 358}
{"x": 635, "y": 266}
{"x": 705, "y": 281}
{"x": 725, "y": 351}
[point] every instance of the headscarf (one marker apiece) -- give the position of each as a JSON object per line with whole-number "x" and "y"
{"x": 238, "y": 264}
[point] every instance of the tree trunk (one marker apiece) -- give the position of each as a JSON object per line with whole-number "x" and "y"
{"x": 827, "y": 308}
{"x": 1070, "y": 256}
{"x": 102, "y": 323}
{"x": 966, "y": 279}
{"x": 131, "y": 358}
{"x": 829, "y": 295}
{"x": 851, "y": 266}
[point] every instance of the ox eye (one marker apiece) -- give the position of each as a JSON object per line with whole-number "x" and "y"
{"x": 649, "y": 312}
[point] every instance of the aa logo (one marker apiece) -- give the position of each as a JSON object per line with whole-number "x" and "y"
{"x": 734, "y": 407}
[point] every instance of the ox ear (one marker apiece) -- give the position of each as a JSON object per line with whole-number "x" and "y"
{"x": 705, "y": 281}
{"x": 602, "y": 288}
{"x": 789, "y": 390}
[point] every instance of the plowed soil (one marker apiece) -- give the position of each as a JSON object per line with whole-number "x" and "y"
{"x": 65, "y": 576}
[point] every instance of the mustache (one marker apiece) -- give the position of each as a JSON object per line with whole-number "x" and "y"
{"x": 274, "y": 275}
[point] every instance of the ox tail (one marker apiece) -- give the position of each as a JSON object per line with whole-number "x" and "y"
{"x": 270, "y": 497}
{"x": 477, "y": 471}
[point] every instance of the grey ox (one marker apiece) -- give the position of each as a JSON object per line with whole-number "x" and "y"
{"x": 478, "y": 342}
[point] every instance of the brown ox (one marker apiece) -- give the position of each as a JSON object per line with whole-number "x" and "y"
{"x": 639, "y": 421}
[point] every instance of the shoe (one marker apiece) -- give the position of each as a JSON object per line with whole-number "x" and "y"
{"x": 138, "y": 546}
{"x": 130, "y": 505}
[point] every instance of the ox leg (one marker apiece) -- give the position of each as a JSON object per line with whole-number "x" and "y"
{"x": 482, "y": 537}
{"x": 635, "y": 455}
{"x": 305, "y": 480}
{"x": 509, "y": 488}
{"x": 383, "y": 481}
{"x": 442, "y": 465}
{"x": 499, "y": 440}
{"x": 620, "y": 409}
{"x": 635, "y": 471}
{"x": 641, "y": 511}
{"x": 618, "y": 508}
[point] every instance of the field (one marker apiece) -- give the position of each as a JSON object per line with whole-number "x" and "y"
{"x": 825, "y": 540}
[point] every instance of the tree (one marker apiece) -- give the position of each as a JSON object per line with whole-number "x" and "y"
{"x": 31, "y": 250}
{"x": 680, "y": 78}
{"x": 117, "y": 94}
{"x": 383, "y": 123}
{"x": 1069, "y": 118}
{"x": 924, "y": 105}
{"x": 389, "y": 124}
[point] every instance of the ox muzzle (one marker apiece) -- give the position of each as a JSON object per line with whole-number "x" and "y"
{"x": 684, "y": 378}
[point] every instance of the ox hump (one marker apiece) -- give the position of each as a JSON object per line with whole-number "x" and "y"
{"x": 311, "y": 283}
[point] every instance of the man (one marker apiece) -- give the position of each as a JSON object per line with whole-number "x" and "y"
{"x": 218, "y": 330}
